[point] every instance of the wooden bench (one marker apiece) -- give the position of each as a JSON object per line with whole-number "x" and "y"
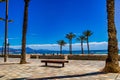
{"x": 54, "y": 61}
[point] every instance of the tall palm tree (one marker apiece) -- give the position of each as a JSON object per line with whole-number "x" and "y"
{"x": 81, "y": 39}
{"x": 6, "y": 32}
{"x": 70, "y": 36}
{"x": 87, "y": 34}
{"x": 112, "y": 64}
{"x": 25, "y": 22}
{"x": 61, "y": 43}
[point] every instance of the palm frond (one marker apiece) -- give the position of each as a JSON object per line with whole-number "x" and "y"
{"x": 87, "y": 33}
{"x": 70, "y": 35}
{"x": 10, "y": 20}
{"x": 2, "y": 0}
{"x": 61, "y": 42}
{"x": 2, "y": 19}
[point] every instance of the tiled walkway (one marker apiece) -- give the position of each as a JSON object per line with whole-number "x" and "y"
{"x": 35, "y": 70}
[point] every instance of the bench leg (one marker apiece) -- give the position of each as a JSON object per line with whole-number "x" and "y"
{"x": 45, "y": 63}
{"x": 62, "y": 64}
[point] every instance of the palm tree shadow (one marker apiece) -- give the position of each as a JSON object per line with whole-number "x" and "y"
{"x": 63, "y": 77}
{"x": 8, "y": 63}
{"x": 12, "y": 63}
{"x": 1, "y": 76}
{"x": 19, "y": 79}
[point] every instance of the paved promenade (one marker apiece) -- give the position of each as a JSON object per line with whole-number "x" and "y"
{"x": 35, "y": 70}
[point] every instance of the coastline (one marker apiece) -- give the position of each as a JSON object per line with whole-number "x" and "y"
{"x": 100, "y": 57}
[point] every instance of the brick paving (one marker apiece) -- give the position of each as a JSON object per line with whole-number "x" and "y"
{"x": 35, "y": 70}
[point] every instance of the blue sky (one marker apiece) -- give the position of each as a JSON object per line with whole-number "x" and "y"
{"x": 50, "y": 20}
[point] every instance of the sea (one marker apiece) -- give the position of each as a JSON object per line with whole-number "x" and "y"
{"x": 67, "y": 52}
{"x": 76, "y": 52}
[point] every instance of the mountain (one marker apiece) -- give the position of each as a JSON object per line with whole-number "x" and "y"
{"x": 28, "y": 50}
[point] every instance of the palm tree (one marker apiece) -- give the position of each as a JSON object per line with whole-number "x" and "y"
{"x": 70, "y": 36}
{"x": 2, "y": 0}
{"x": 25, "y": 22}
{"x": 87, "y": 34}
{"x": 112, "y": 64}
{"x": 61, "y": 43}
{"x": 81, "y": 39}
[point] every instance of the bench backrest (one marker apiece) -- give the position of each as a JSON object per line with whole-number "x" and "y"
{"x": 55, "y": 61}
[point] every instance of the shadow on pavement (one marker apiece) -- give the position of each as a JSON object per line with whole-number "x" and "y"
{"x": 8, "y": 63}
{"x": 1, "y": 76}
{"x": 62, "y": 77}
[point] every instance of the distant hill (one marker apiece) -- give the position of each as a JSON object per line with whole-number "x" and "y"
{"x": 28, "y": 50}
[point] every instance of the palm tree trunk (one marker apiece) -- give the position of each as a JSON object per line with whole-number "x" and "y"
{"x": 88, "y": 45}
{"x": 112, "y": 64}
{"x": 82, "y": 47}
{"x": 6, "y": 32}
{"x": 60, "y": 49}
{"x": 23, "y": 53}
{"x": 70, "y": 46}
{"x": 2, "y": 50}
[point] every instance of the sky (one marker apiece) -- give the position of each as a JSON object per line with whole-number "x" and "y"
{"x": 50, "y": 20}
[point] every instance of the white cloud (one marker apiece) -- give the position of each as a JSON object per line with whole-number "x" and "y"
{"x": 16, "y": 47}
{"x": 98, "y": 45}
{"x": 75, "y": 46}
{"x": 93, "y": 46}
{"x": 44, "y": 46}
{"x": 13, "y": 38}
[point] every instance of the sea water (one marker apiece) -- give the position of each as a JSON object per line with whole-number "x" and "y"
{"x": 73, "y": 52}
{"x": 65, "y": 52}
